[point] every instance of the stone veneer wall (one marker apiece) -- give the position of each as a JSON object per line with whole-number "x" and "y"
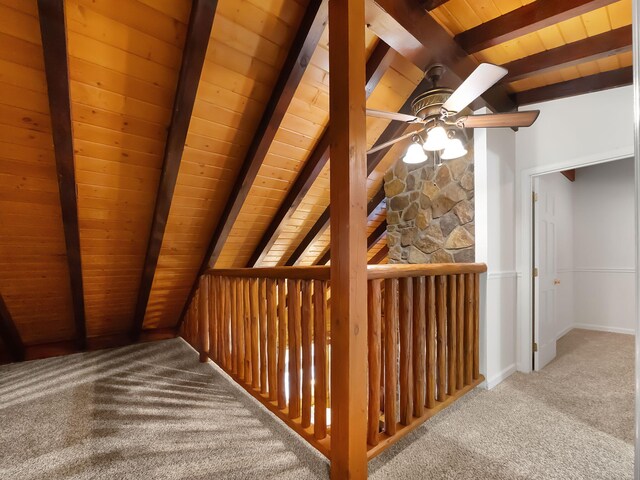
{"x": 430, "y": 213}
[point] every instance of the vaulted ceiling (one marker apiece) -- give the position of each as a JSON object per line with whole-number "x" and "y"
{"x": 143, "y": 143}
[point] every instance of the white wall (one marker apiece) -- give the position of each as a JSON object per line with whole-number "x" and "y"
{"x": 570, "y": 132}
{"x": 495, "y": 245}
{"x": 604, "y": 256}
{"x": 577, "y": 129}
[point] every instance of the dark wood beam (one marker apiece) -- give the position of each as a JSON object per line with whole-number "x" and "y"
{"x": 521, "y": 21}
{"x": 377, "y": 65}
{"x": 304, "y": 44}
{"x": 429, "y": 5}
{"x": 194, "y": 52}
{"x": 579, "y": 86}
{"x": 372, "y": 239}
{"x": 9, "y": 334}
{"x": 377, "y": 234}
{"x": 381, "y": 255}
{"x": 54, "y": 46}
{"x": 376, "y": 201}
{"x": 413, "y": 33}
{"x": 570, "y": 174}
{"x": 393, "y": 130}
{"x": 591, "y": 48}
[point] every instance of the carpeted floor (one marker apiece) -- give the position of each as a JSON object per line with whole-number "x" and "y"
{"x": 152, "y": 411}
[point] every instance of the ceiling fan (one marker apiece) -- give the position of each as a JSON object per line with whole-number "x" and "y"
{"x": 443, "y": 115}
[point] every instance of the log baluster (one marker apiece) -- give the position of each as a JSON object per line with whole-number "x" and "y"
{"x": 272, "y": 337}
{"x": 476, "y": 326}
{"x": 406, "y": 375}
{"x": 253, "y": 328}
{"x": 431, "y": 343}
{"x": 262, "y": 322}
{"x": 452, "y": 335}
{"x": 213, "y": 318}
{"x": 391, "y": 355}
{"x": 320, "y": 358}
{"x": 374, "y": 315}
{"x": 203, "y": 318}
{"x": 282, "y": 343}
{"x": 248, "y": 336}
{"x": 468, "y": 328}
{"x": 460, "y": 330}
{"x": 293, "y": 287}
{"x": 441, "y": 335}
{"x": 306, "y": 334}
{"x": 419, "y": 345}
{"x": 233, "y": 286}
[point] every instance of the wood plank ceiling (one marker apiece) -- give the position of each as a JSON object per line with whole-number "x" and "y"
{"x": 158, "y": 146}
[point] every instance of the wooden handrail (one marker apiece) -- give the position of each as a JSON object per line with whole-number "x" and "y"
{"x": 421, "y": 270}
{"x": 373, "y": 271}
{"x": 292, "y": 273}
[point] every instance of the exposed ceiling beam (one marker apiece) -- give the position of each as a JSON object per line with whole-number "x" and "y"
{"x": 302, "y": 49}
{"x": 413, "y": 33}
{"x": 591, "y": 48}
{"x": 9, "y": 334}
{"x": 194, "y": 52}
{"x": 570, "y": 174}
{"x": 372, "y": 239}
{"x": 393, "y": 130}
{"x": 304, "y": 44}
{"x": 381, "y": 255}
{"x": 579, "y": 86}
{"x": 377, "y": 65}
{"x": 429, "y": 5}
{"x": 54, "y": 46}
{"x": 377, "y": 200}
{"x": 521, "y": 21}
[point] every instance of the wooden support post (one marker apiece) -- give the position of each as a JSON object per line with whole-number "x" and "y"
{"x": 348, "y": 240}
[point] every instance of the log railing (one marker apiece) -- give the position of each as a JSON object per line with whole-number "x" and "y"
{"x": 423, "y": 337}
{"x": 268, "y": 328}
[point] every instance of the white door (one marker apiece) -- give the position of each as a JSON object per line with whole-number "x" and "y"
{"x": 544, "y": 283}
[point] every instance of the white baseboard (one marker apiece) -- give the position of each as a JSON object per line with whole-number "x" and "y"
{"x": 501, "y": 376}
{"x": 601, "y": 328}
{"x": 564, "y": 332}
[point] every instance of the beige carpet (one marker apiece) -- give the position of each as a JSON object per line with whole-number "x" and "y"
{"x": 152, "y": 411}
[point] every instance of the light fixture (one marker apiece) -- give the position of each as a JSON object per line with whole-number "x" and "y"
{"x": 454, "y": 149}
{"x": 436, "y": 139}
{"x": 415, "y": 153}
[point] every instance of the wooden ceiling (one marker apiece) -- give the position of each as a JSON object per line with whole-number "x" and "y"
{"x": 143, "y": 143}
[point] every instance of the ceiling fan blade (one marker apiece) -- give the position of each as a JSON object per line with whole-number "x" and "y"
{"x": 481, "y": 80}
{"x": 496, "y": 120}
{"x": 377, "y": 148}
{"x": 400, "y": 117}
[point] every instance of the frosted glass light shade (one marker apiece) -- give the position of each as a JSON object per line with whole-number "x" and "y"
{"x": 454, "y": 149}
{"x": 436, "y": 139}
{"x": 415, "y": 154}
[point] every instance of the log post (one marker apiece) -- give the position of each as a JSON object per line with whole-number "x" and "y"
{"x": 348, "y": 180}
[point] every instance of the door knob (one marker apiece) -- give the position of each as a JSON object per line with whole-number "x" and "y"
{"x": 556, "y": 282}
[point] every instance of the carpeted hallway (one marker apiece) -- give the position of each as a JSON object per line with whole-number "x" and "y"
{"x": 152, "y": 411}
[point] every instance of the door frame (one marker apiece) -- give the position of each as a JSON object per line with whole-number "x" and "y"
{"x": 524, "y": 246}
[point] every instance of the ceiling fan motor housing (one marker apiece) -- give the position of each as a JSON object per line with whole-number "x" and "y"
{"x": 429, "y": 104}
